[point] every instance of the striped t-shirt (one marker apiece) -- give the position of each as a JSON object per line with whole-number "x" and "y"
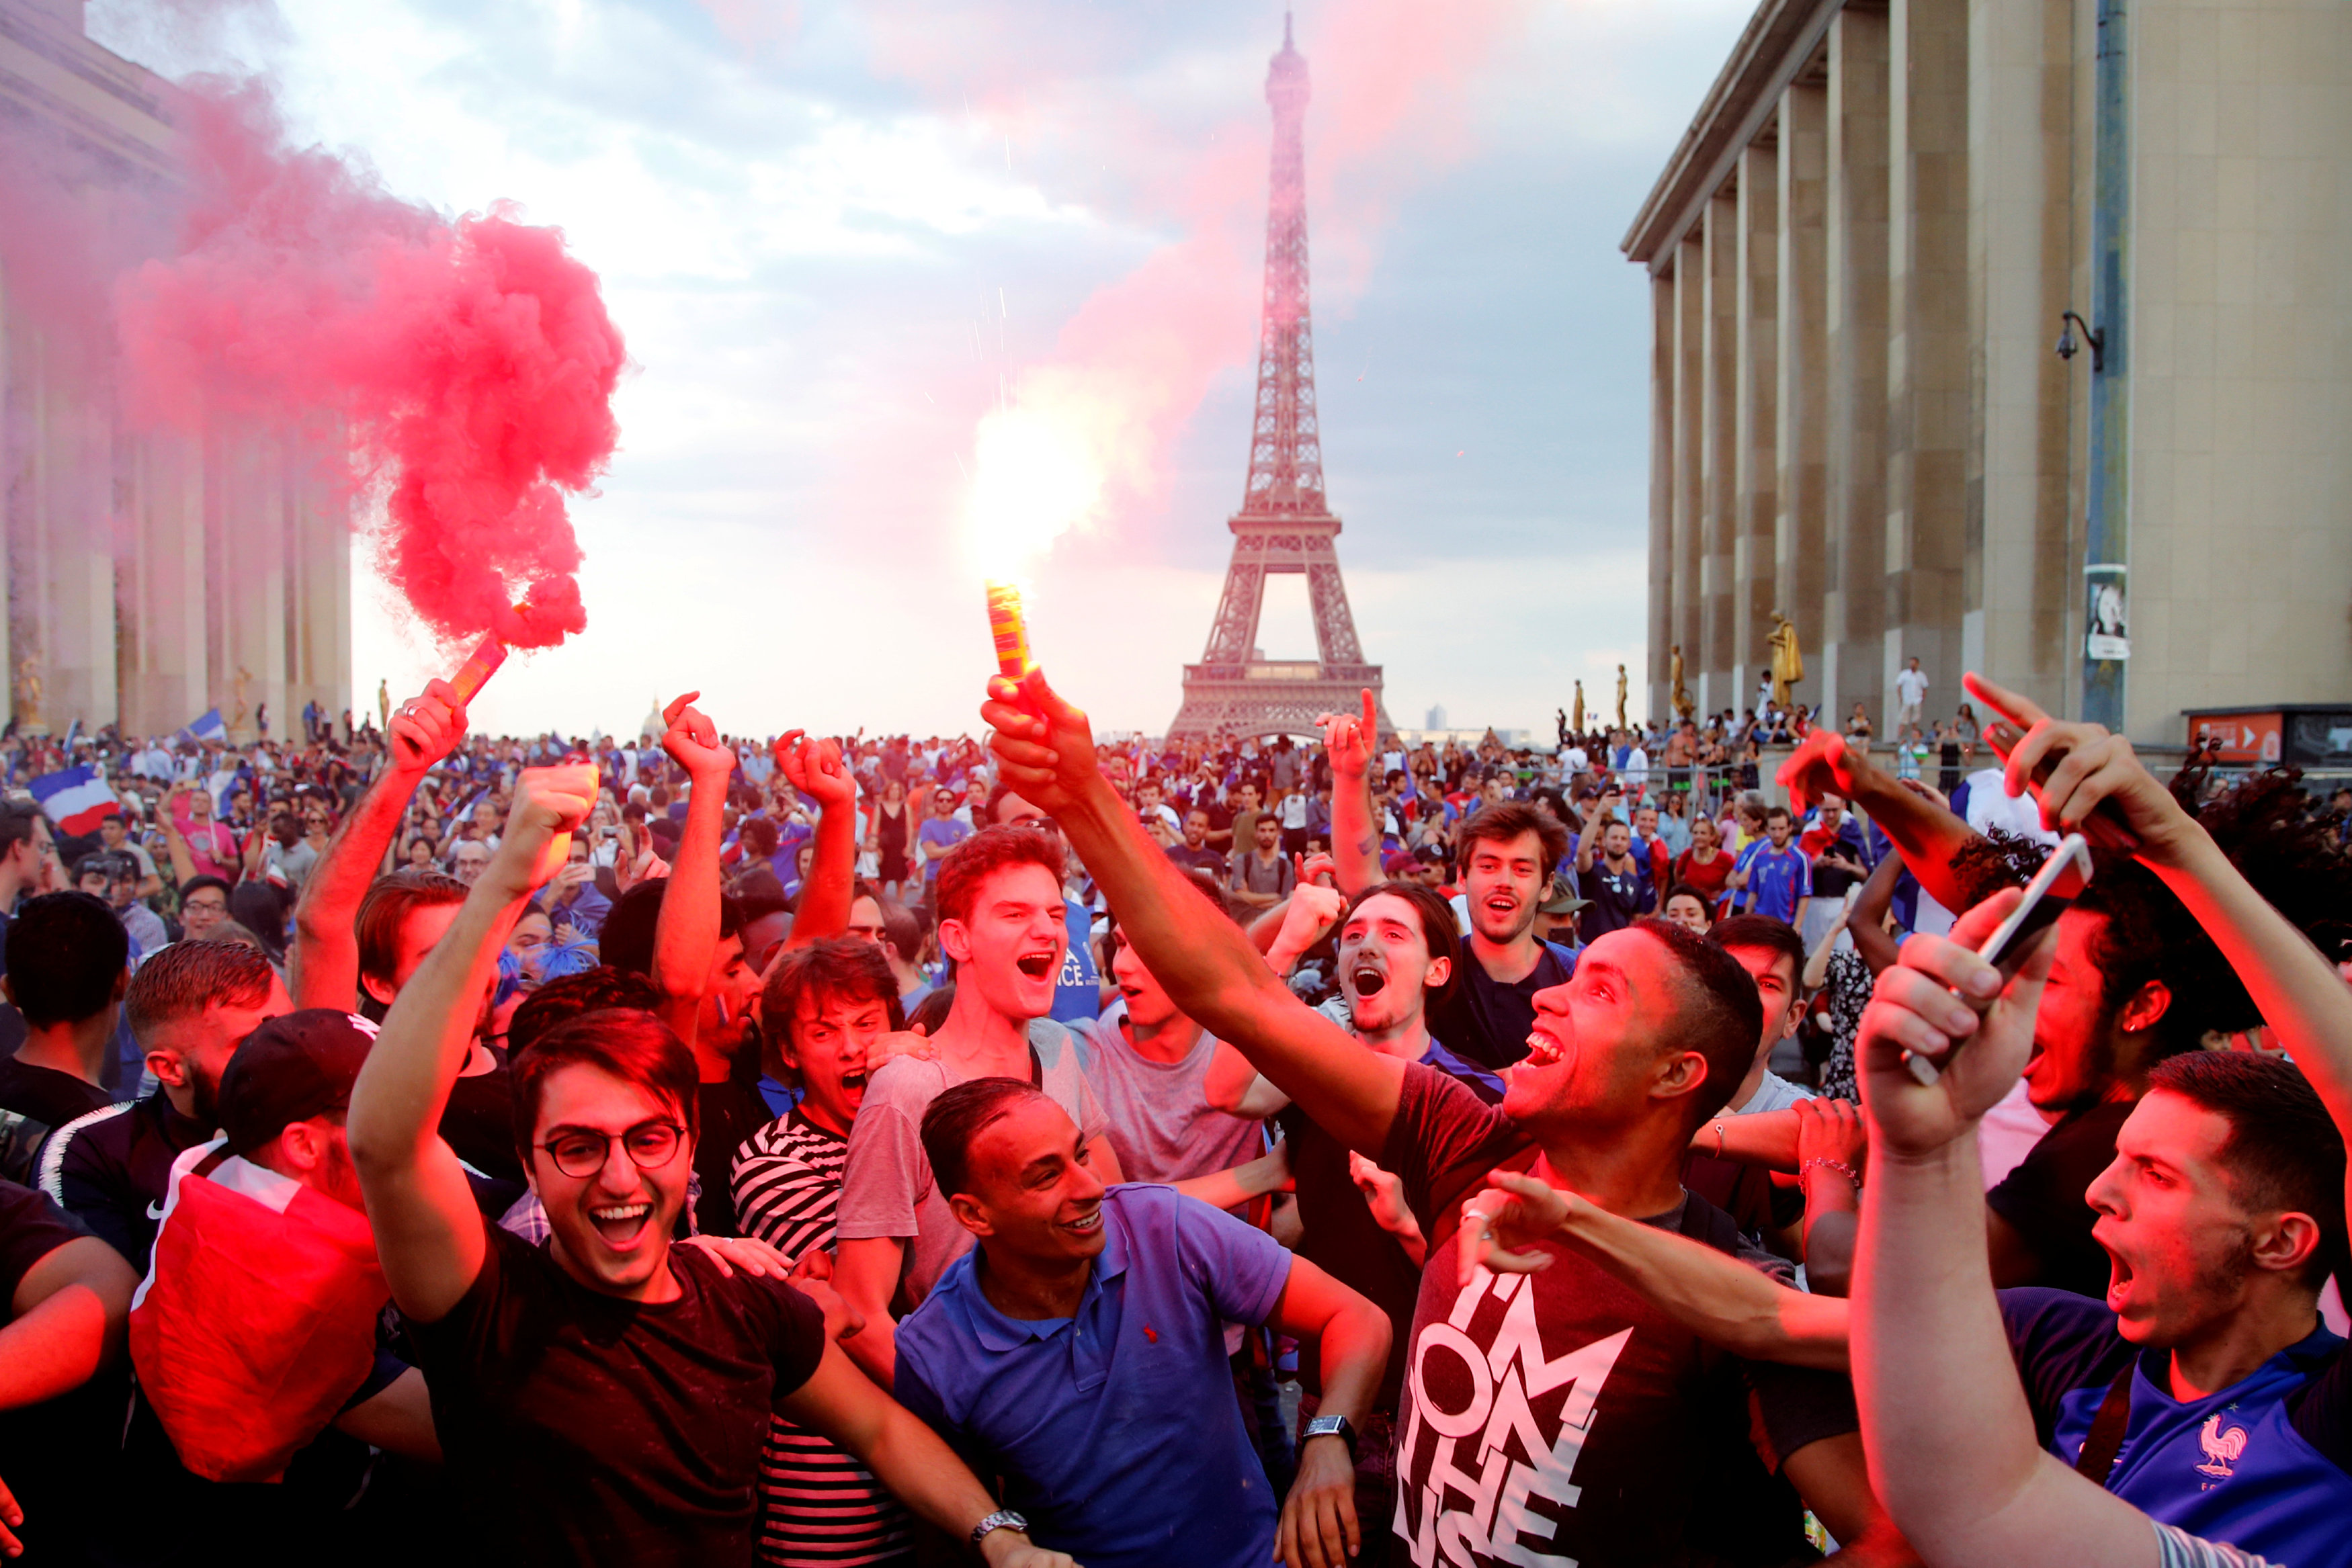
{"x": 817, "y": 1504}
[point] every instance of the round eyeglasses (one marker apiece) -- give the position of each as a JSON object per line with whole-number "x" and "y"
{"x": 580, "y": 1153}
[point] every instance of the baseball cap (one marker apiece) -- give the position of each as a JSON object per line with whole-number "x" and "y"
{"x": 1397, "y": 862}
{"x": 1558, "y": 900}
{"x": 292, "y": 1068}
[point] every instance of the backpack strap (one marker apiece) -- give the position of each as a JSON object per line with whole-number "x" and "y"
{"x": 2106, "y": 1439}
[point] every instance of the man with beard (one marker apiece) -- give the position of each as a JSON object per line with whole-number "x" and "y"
{"x": 189, "y": 1007}
{"x": 1605, "y": 1431}
{"x": 1003, "y": 924}
{"x": 1507, "y": 851}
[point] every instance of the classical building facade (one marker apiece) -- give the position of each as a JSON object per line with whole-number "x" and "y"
{"x": 1860, "y": 254}
{"x": 151, "y": 575}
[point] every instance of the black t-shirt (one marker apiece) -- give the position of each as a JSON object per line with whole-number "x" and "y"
{"x": 46, "y": 1095}
{"x": 1486, "y": 1021}
{"x": 478, "y": 1123}
{"x": 1203, "y": 859}
{"x": 728, "y": 1113}
{"x": 1615, "y": 898}
{"x": 1618, "y": 1435}
{"x": 580, "y": 1428}
{"x": 2042, "y": 1199}
{"x": 1339, "y": 1235}
{"x": 31, "y": 1227}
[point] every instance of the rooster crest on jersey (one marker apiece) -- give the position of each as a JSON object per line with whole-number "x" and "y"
{"x": 2223, "y": 1446}
{"x": 1473, "y": 1504}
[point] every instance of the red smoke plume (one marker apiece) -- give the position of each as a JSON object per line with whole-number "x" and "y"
{"x": 471, "y": 362}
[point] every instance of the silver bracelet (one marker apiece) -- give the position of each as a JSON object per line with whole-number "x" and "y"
{"x": 1839, "y": 1167}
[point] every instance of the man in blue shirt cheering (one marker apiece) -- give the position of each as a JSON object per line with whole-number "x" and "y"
{"x": 1079, "y": 1352}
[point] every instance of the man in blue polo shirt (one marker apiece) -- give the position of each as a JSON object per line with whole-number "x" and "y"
{"x": 1079, "y": 1352}
{"x": 1775, "y": 878}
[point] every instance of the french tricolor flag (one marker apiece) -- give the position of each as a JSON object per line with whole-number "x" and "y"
{"x": 76, "y": 800}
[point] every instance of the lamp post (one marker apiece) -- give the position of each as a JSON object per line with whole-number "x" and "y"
{"x": 2107, "y": 531}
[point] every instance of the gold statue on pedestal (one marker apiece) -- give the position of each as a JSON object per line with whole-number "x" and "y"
{"x": 1576, "y": 711}
{"x": 1681, "y": 698}
{"x": 1787, "y": 660}
{"x": 30, "y": 720}
{"x": 383, "y": 705}
{"x": 1620, "y": 696}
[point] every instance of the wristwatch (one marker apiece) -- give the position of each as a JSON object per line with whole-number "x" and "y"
{"x": 1003, "y": 1519}
{"x": 1334, "y": 1426}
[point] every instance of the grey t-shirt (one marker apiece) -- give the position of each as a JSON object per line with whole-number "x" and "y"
{"x": 1254, "y": 875}
{"x": 886, "y": 1185}
{"x": 1162, "y": 1126}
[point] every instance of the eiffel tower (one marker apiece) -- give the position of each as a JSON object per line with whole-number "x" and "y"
{"x": 1284, "y": 523}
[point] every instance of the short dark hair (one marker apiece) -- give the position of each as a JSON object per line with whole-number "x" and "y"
{"x": 182, "y": 979}
{"x": 1439, "y": 934}
{"x": 383, "y": 914}
{"x": 986, "y": 852}
{"x": 66, "y": 953}
{"x": 1719, "y": 1014}
{"x": 631, "y": 1045}
{"x": 1756, "y": 932}
{"x": 625, "y": 940}
{"x": 1684, "y": 890}
{"x": 560, "y": 1001}
{"x": 197, "y": 885}
{"x": 842, "y": 969}
{"x": 958, "y": 1114}
{"x": 904, "y": 929}
{"x": 2284, "y": 1154}
{"x": 1508, "y": 820}
{"x": 17, "y": 819}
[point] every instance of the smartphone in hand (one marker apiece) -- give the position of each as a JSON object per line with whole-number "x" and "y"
{"x": 2054, "y": 887}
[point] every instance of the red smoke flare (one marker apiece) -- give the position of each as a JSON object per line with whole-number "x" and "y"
{"x": 472, "y": 362}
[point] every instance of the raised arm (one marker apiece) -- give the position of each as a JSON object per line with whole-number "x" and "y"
{"x": 1211, "y": 969}
{"x": 816, "y": 769}
{"x": 686, "y": 934}
{"x": 2095, "y": 783}
{"x": 1355, "y": 836}
{"x": 1951, "y": 1438}
{"x": 428, "y": 1233}
{"x": 1928, "y": 836}
{"x": 184, "y": 859}
{"x": 325, "y": 961}
{"x": 69, "y": 1313}
{"x": 1715, "y": 1295}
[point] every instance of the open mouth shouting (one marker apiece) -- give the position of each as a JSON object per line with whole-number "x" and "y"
{"x": 1543, "y": 1050}
{"x": 620, "y": 1224}
{"x": 1038, "y": 964}
{"x": 1369, "y": 979}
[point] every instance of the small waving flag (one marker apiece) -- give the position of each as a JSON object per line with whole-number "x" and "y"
{"x": 208, "y": 728}
{"x": 76, "y": 800}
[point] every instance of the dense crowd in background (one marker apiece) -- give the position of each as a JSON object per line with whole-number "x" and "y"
{"x": 706, "y": 1149}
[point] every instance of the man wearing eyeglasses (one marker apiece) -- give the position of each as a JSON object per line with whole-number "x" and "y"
{"x": 603, "y": 1398}
{"x": 936, "y": 837}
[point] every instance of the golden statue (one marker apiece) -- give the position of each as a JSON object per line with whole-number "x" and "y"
{"x": 29, "y": 718}
{"x": 1620, "y": 697}
{"x": 1681, "y": 699}
{"x": 1788, "y": 661}
{"x": 383, "y": 705}
{"x": 240, "y": 725}
{"x": 1576, "y": 713}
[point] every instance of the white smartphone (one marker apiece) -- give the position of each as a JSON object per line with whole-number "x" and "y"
{"x": 2055, "y": 886}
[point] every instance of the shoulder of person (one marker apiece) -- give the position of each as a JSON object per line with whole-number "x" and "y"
{"x": 903, "y": 1084}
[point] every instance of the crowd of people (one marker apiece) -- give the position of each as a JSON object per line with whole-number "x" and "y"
{"x": 1047, "y": 1150}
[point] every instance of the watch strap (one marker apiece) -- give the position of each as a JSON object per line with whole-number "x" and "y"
{"x": 1003, "y": 1519}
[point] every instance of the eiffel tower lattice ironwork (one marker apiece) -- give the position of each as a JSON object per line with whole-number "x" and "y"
{"x": 1285, "y": 524}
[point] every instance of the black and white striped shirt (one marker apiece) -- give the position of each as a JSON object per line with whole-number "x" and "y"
{"x": 818, "y": 1506}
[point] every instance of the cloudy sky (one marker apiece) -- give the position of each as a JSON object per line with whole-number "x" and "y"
{"x": 841, "y": 238}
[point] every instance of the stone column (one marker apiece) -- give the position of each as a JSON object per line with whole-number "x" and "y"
{"x": 1928, "y": 361}
{"x": 1755, "y": 583}
{"x": 1690, "y": 388}
{"x": 1720, "y": 478}
{"x": 1801, "y": 444}
{"x": 1853, "y": 607}
{"x": 2018, "y": 575}
{"x": 1661, "y": 622}
{"x": 162, "y": 605}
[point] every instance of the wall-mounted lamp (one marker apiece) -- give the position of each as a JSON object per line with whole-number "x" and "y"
{"x": 2068, "y": 348}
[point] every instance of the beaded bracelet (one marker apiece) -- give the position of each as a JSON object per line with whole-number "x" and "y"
{"x": 1839, "y": 1167}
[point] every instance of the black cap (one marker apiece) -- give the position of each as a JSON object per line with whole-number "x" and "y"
{"x": 290, "y": 1069}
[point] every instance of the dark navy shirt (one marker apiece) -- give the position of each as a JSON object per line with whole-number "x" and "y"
{"x": 1116, "y": 1430}
{"x": 2261, "y": 1464}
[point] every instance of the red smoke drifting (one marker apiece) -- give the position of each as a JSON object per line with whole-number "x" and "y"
{"x": 471, "y": 362}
